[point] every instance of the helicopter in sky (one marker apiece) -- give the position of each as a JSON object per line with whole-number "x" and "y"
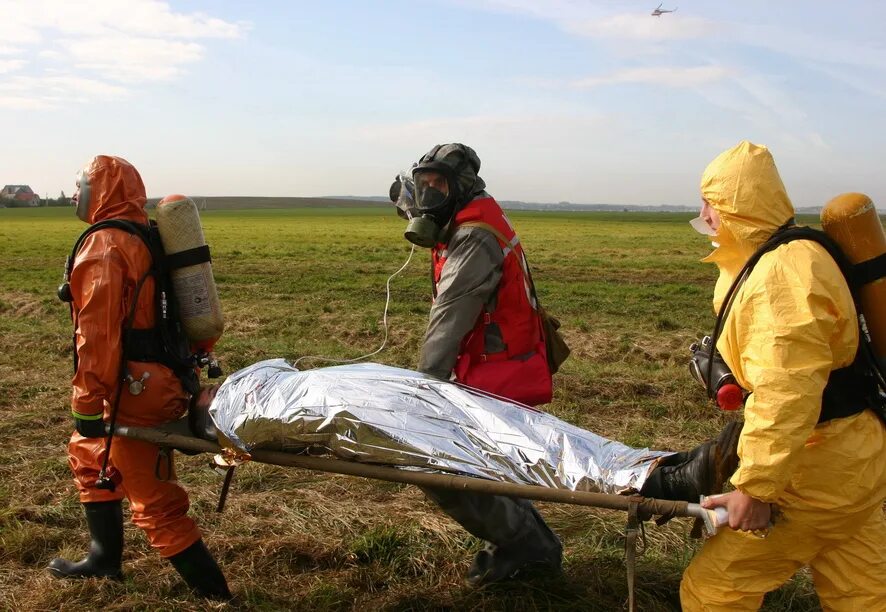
{"x": 658, "y": 12}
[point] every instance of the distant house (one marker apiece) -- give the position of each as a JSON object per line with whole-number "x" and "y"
{"x": 22, "y": 194}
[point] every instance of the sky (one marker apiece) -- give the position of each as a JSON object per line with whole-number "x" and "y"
{"x": 564, "y": 100}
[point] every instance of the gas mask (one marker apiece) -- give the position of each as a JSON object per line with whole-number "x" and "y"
{"x": 436, "y": 196}
{"x": 80, "y": 199}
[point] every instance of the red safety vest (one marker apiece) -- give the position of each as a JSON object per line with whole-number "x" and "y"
{"x": 519, "y": 373}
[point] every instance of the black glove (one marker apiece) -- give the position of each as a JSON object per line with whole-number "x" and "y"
{"x": 94, "y": 428}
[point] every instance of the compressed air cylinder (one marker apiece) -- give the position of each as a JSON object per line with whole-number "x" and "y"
{"x": 182, "y": 235}
{"x": 852, "y": 222}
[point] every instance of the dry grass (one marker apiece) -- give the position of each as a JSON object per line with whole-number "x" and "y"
{"x": 629, "y": 291}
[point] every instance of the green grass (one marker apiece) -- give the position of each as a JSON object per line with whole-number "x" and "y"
{"x": 628, "y": 288}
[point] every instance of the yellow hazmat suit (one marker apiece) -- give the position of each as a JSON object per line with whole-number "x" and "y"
{"x": 792, "y": 322}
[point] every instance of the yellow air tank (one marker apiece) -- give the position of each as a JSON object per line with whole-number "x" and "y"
{"x": 852, "y": 222}
{"x": 182, "y": 235}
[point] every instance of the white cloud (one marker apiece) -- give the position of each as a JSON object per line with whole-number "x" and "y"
{"x": 18, "y": 23}
{"x": 85, "y": 87}
{"x": 16, "y": 102}
{"x": 670, "y": 76}
{"x": 53, "y": 91}
{"x": 99, "y": 49}
{"x": 639, "y": 27}
{"x": 11, "y": 65}
{"x": 469, "y": 128}
{"x": 818, "y": 49}
{"x": 876, "y": 88}
{"x": 595, "y": 20}
{"x": 132, "y": 59}
{"x": 753, "y": 89}
{"x": 772, "y": 96}
{"x": 135, "y": 17}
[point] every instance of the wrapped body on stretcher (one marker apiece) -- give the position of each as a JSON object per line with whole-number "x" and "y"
{"x": 383, "y": 415}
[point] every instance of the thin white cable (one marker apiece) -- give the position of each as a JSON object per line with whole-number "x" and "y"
{"x": 384, "y": 322}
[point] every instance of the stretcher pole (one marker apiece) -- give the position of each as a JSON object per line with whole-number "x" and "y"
{"x": 647, "y": 507}
{"x": 636, "y": 506}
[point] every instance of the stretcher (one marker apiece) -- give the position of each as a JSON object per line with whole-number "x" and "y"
{"x": 396, "y": 425}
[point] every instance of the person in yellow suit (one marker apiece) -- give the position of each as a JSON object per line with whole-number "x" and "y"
{"x": 791, "y": 324}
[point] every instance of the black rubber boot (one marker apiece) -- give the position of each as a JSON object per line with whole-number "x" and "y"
{"x": 702, "y": 471}
{"x": 538, "y": 551}
{"x": 105, "y": 521}
{"x": 199, "y": 570}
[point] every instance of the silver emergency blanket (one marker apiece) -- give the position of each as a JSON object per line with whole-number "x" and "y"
{"x": 383, "y": 415}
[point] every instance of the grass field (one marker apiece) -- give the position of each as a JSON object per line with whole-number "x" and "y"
{"x": 632, "y": 297}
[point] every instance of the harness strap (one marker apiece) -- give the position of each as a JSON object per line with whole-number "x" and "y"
{"x": 492, "y": 230}
{"x": 849, "y": 390}
{"x": 870, "y": 270}
{"x": 510, "y": 247}
{"x": 190, "y": 257}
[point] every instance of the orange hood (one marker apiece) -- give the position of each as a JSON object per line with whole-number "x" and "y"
{"x": 116, "y": 190}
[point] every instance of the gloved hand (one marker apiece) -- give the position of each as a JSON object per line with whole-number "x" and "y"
{"x": 94, "y": 428}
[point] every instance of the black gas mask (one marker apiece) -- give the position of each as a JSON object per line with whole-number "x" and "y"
{"x": 436, "y": 200}
{"x": 443, "y": 181}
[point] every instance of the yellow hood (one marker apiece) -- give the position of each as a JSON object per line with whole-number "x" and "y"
{"x": 742, "y": 184}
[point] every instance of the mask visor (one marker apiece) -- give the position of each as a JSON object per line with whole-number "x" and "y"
{"x": 432, "y": 193}
{"x": 80, "y": 199}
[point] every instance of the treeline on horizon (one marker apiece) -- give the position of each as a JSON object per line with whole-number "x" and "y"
{"x": 284, "y": 202}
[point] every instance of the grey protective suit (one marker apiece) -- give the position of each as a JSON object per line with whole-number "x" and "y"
{"x": 469, "y": 280}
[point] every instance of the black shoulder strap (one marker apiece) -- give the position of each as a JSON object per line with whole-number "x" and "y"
{"x": 138, "y": 229}
{"x": 777, "y": 239}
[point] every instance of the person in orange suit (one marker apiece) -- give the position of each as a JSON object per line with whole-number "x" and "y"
{"x": 112, "y": 295}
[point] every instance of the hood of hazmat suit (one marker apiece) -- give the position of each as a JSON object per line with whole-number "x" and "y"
{"x": 111, "y": 188}
{"x": 792, "y": 322}
{"x": 743, "y": 186}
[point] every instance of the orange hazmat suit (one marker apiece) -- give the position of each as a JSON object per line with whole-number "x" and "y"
{"x": 105, "y": 273}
